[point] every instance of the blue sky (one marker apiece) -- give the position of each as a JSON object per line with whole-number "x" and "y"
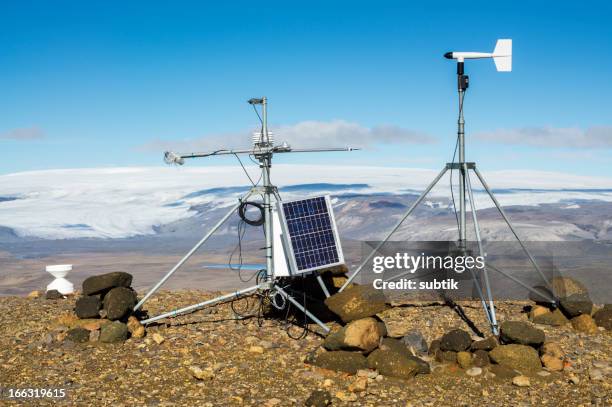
{"x": 93, "y": 84}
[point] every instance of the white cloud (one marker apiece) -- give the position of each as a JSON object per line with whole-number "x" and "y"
{"x": 572, "y": 137}
{"x": 30, "y": 133}
{"x": 307, "y": 134}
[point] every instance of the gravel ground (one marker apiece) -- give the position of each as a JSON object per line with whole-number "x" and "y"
{"x": 251, "y": 365}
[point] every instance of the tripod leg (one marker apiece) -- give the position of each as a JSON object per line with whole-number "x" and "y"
{"x": 301, "y": 308}
{"x": 188, "y": 255}
{"x": 226, "y": 297}
{"x": 408, "y": 213}
{"x": 490, "y": 310}
{"x": 503, "y": 214}
{"x": 323, "y": 287}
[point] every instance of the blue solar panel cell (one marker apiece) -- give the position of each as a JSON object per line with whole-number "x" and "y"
{"x": 311, "y": 233}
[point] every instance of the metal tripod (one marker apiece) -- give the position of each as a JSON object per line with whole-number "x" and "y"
{"x": 263, "y": 151}
{"x": 465, "y": 188}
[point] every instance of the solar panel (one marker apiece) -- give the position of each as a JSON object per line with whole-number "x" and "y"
{"x": 310, "y": 233}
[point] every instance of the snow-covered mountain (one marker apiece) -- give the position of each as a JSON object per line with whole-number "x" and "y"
{"x": 118, "y": 203}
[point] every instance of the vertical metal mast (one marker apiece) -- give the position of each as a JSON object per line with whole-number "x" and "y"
{"x": 462, "y": 84}
{"x": 265, "y": 164}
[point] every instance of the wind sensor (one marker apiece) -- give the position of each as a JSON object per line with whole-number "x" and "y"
{"x": 502, "y": 57}
{"x": 283, "y": 224}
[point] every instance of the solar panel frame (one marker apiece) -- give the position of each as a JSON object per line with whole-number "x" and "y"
{"x": 288, "y": 236}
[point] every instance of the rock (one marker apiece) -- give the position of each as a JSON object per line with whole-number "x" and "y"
{"x": 552, "y": 349}
{"x": 522, "y": 333}
{"x": 103, "y": 283}
{"x": 341, "y": 360}
{"x": 34, "y": 294}
{"x": 88, "y": 307}
{"x": 434, "y": 347}
{"x": 573, "y": 379}
{"x": 503, "y": 372}
{"x": 576, "y": 304}
{"x": 584, "y": 323}
{"x": 201, "y": 374}
{"x": 356, "y": 302}
{"x": 113, "y": 332}
{"x": 119, "y": 303}
{"x": 464, "y": 359}
{"x": 360, "y": 384}
{"x": 382, "y": 328}
{"x": 318, "y": 398}
{"x": 536, "y": 311}
{"x": 273, "y": 402}
{"x": 603, "y": 317}
{"x": 395, "y": 345}
{"x": 552, "y": 363}
{"x": 481, "y": 358}
{"x": 362, "y": 334}
{"x": 346, "y": 396}
{"x": 566, "y": 286}
{"x": 473, "y": 371}
{"x": 554, "y": 318}
{"x": 53, "y": 295}
{"x": 541, "y": 299}
{"x": 390, "y": 363}
{"x": 135, "y": 328}
{"x": 415, "y": 341}
{"x": 257, "y": 349}
{"x": 520, "y": 357}
{"x": 446, "y": 356}
{"x": 456, "y": 340}
{"x": 521, "y": 381}
{"x": 423, "y": 366}
{"x": 78, "y": 335}
{"x": 485, "y": 344}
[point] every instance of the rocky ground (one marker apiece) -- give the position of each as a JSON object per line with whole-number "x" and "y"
{"x": 210, "y": 358}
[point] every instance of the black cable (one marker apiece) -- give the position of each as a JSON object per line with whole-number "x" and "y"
{"x": 253, "y": 222}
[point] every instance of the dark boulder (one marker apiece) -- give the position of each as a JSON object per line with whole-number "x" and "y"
{"x": 603, "y": 317}
{"x": 485, "y": 344}
{"x": 78, "y": 335}
{"x": 576, "y": 304}
{"x": 521, "y": 333}
{"x": 88, "y": 307}
{"x": 456, "y": 340}
{"x": 119, "y": 303}
{"x": 105, "y": 282}
{"x": 390, "y": 363}
{"x": 341, "y": 360}
{"x": 113, "y": 332}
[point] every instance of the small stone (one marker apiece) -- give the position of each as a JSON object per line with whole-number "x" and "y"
{"x": 552, "y": 349}
{"x": 319, "y": 398}
{"x": 481, "y": 358}
{"x": 456, "y": 340}
{"x": 521, "y": 381}
{"x": 135, "y": 328}
{"x": 415, "y": 341}
{"x": 519, "y": 357}
{"x": 574, "y": 379}
{"x": 78, "y": 335}
{"x": 464, "y": 359}
{"x": 94, "y": 336}
{"x": 157, "y": 338}
{"x": 473, "y": 371}
{"x": 485, "y": 344}
{"x": 361, "y": 334}
{"x": 543, "y": 373}
{"x": 554, "y": 318}
{"x": 273, "y": 402}
{"x": 113, "y": 332}
{"x": 346, "y": 396}
{"x": 327, "y": 383}
{"x": 536, "y": 311}
{"x": 552, "y": 363}
{"x": 201, "y": 374}
{"x": 359, "y": 385}
{"x": 446, "y": 356}
{"x": 34, "y": 294}
{"x": 584, "y": 323}
{"x": 434, "y": 347}
{"x": 53, "y": 295}
{"x": 256, "y": 349}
